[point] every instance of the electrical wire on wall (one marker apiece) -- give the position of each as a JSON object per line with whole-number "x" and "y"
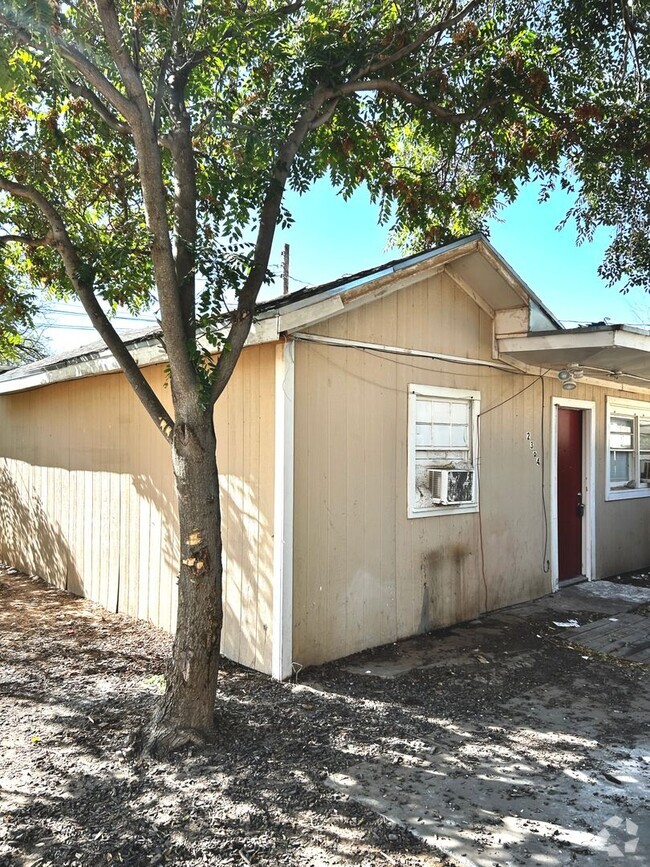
{"x": 545, "y": 562}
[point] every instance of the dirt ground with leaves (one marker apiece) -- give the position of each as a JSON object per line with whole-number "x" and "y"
{"x": 76, "y": 683}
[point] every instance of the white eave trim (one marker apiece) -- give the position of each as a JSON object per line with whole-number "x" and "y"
{"x": 570, "y": 340}
{"x": 105, "y": 363}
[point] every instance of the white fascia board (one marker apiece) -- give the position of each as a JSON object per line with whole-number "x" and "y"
{"x": 312, "y": 315}
{"x": 560, "y": 341}
{"x": 632, "y": 340}
{"x": 263, "y": 331}
{"x": 106, "y": 363}
{"x": 602, "y": 339}
{"x": 388, "y": 287}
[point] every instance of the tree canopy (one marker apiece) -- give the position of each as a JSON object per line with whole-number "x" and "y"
{"x": 440, "y": 109}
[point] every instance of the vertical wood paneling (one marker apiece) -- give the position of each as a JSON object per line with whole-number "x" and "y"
{"x": 364, "y": 574}
{"x": 89, "y": 497}
{"x": 71, "y": 475}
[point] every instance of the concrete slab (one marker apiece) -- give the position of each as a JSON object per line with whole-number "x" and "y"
{"x": 626, "y": 636}
{"x": 514, "y": 791}
{"x": 597, "y": 597}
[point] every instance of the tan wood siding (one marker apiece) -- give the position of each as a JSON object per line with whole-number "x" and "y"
{"x": 365, "y": 574}
{"x": 245, "y": 418}
{"x": 87, "y": 498}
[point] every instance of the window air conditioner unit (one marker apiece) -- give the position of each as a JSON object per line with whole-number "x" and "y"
{"x": 451, "y": 486}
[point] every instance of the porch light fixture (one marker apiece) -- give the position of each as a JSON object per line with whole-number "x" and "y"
{"x": 568, "y": 376}
{"x": 576, "y": 371}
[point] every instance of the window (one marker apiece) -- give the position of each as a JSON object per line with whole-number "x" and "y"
{"x": 628, "y": 449}
{"x": 443, "y": 451}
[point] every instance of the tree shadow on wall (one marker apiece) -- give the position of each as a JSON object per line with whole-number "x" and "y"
{"x": 247, "y": 532}
{"x": 29, "y": 540}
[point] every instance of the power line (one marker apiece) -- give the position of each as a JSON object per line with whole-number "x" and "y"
{"x": 74, "y": 327}
{"x": 126, "y": 317}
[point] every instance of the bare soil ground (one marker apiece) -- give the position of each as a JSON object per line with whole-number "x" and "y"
{"x": 77, "y": 682}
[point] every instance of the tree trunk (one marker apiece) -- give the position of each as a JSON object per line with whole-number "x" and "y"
{"x": 186, "y": 712}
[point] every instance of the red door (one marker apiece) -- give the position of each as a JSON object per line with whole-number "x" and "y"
{"x": 569, "y": 492}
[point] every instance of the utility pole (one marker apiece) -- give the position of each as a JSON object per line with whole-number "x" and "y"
{"x": 285, "y": 270}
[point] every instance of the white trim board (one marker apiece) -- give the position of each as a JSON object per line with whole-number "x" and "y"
{"x": 281, "y": 666}
{"x": 588, "y": 485}
{"x": 144, "y": 356}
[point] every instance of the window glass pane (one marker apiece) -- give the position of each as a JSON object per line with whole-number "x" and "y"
{"x": 423, "y": 434}
{"x": 644, "y": 436}
{"x": 459, "y": 413}
{"x": 616, "y": 423}
{"x": 621, "y": 433}
{"x": 620, "y": 467}
{"x": 441, "y": 436}
{"x": 620, "y": 441}
{"x": 459, "y": 436}
{"x": 644, "y": 469}
{"x": 423, "y": 410}
{"x": 442, "y": 411}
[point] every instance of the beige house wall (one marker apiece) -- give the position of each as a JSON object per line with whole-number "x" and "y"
{"x": 364, "y": 573}
{"x": 87, "y": 498}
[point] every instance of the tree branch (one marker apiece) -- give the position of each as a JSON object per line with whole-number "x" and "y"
{"x": 25, "y": 240}
{"x": 403, "y": 52}
{"x": 385, "y": 85}
{"x": 326, "y": 115}
{"x": 243, "y": 316}
{"x": 185, "y": 222}
{"x": 59, "y": 240}
{"x": 102, "y": 110}
{"x": 76, "y": 59}
{"x": 289, "y": 8}
{"x": 184, "y": 376}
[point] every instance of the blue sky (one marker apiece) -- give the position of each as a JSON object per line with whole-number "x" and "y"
{"x": 331, "y": 238}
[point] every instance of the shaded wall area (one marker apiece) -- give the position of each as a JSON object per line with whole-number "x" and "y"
{"x": 87, "y": 498}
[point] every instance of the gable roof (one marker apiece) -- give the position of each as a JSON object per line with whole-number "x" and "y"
{"x": 471, "y": 262}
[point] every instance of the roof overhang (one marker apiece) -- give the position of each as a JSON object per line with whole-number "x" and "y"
{"x": 472, "y": 263}
{"x": 89, "y": 363}
{"x": 610, "y": 354}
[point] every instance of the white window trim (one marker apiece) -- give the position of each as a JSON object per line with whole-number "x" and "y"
{"x": 415, "y": 391}
{"x": 638, "y": 409}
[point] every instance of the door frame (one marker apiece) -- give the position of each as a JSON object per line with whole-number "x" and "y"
{"x": 588, "y": 408}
